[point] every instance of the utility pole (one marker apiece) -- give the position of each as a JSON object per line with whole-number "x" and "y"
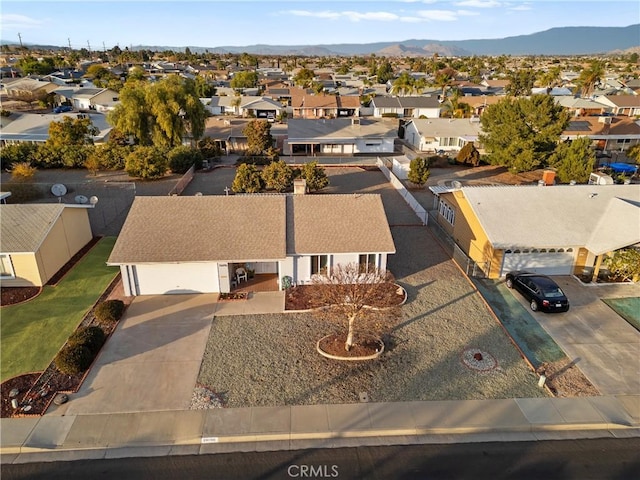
{"x": 89, "y": 47}
{"x": 104, "y": 49}
{"x": 69, "y": 42}
{"x": 20, "y": 37}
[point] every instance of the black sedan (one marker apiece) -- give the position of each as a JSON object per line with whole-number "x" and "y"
{"x": 543, "y": 293}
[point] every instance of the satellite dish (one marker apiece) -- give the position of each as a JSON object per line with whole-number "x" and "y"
{"x": 93, "y": 200}
{"x": 198, "y": 194}
{"x": 81, "y": 199}
{"x": 456, "y": 184}
{"x": 58, "y": 189}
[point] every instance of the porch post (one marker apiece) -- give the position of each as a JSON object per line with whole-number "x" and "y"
{"x": 596, "y": 268}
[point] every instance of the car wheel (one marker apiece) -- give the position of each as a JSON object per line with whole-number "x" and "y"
{"x": 509, "y": 283}
{"x": 534, "y": 305}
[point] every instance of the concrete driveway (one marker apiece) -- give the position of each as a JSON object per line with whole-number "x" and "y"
{"x": 152, "y": 360}
{"x": 603, "y": 345}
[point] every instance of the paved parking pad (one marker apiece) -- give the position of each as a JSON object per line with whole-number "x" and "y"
{"x": 152, "y": 360}
{"x": 601, "y": 343}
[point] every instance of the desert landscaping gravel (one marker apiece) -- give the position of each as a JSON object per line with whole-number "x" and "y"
{"x": 268, "y": 360}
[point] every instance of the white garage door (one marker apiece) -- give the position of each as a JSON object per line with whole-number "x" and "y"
{"x": 558, "y": 262}
{"x": 176, "y": 278}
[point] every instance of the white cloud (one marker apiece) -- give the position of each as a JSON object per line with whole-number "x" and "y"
{"x": 479, "y": 3}
{"x": 12, "y": 21}
{"x": 348, "y": 15}
{"x": 440, "y": 15}
{"x": 467, "y": 13}
{"x": 521, "y": 8}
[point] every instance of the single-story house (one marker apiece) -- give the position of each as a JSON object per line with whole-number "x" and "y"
{"x": 26, "y": 87}
{"x": 34, "y": 127}
{"x": 172, "y": 245}
{"x": 579, "y": 107}
{"x": 553, "y": 230}
{"x": 339, "y": 136}
{"x": 428, "y": 106}
{"x": 448, "y": 134}
{"x": 245, "y": 106}
{"x": 39, "y": 239}
{"x": 321, "y": 106}
{"x": 98, "y": 99}
{"x": 607, "y": 133}
{"x": 628, "y": 105}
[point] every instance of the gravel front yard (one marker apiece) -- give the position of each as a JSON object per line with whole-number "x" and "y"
{"x": 267, "y": 360}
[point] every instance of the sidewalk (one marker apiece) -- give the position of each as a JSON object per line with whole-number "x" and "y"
{"x": 195, "y": 432}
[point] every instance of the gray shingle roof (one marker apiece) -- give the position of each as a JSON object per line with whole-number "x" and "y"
{"x": 337, "y": 224}
{"x": 250, "y": 228}
{"x": 25, "y": 226}
{"x": 204, "y": 228}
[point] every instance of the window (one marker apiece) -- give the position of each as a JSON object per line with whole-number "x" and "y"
{"x": 367, "y": 262}
{"x": 319, "y": 264}
{"x": 447, "y": 212}
{"x": 7, "y": 267}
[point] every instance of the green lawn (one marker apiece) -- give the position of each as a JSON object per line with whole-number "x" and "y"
{"x": 33, "y": 332}
{"x": 627, "y": 308}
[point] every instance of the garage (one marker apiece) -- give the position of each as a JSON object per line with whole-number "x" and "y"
{"x": 552, "y": 261}
{"x": 173, "y": 278}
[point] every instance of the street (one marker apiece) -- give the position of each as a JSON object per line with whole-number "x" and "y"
{"x": 568, "y": 459}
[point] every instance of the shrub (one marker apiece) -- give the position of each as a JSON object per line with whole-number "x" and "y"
{"x": 73, "y": 359}
{"x": 182, "y": 158}
{"x": 22, "y": 171}
{"x": 109, "y": 311}
{"x": 91, "y": 337}
{"x": 419, "y": 171}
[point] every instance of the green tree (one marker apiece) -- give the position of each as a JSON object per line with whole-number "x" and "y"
{"x": 259, "y": 139}
{"x": 147, "y": 163}
{"x": 247, "y": 179}
{"x": 278, "y": 176}
{"x": 590, "y": 76}
{"x": 203, "y": 88}
{"x": 242, "y": 80}
{"x": 71, "y": 131}
{"x": 304, "y": 78}
{"x": 634, "y": 152}
{"x": 444, "y": 79}
{"x": 522, "y": 133}
{"x": 419, "y": 171}
{"x": 384, "y": 72}
{"x": 469, "y": 155}
{"x": 625, "y": 264}
{"x": 183, "y": 157}
{"x": 30, "y": 65}
{"x": 521, "y": 82}
{"x": 403, "y": 85}
{"x": 314, "y": 175}
{"x": 161, "y": 113}
{"x": 574, "y": 160}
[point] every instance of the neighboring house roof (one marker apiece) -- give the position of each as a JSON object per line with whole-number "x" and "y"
{"x": 602, "y": 218}
{"x": 447, "y": 127}
{"x": 406, "y": 102}
{"x": 34, "y": 127}
{"x": 571, "y": 102}
{"x": 202, "y": 229}
{"x": 620, "y": 100}
{"x": 555, "y": 91}
{"x": 602, "y": 127}
{"x": 250, "y": 228}
{"x": 337, "y": 224}
{"x": 339, "y": 128}
{"x": 25, "y": 226}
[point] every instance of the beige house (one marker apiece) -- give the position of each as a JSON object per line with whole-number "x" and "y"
{"x": 39, "y": 239}
{"x": 174, "y": 245}
{"x": 552, "y": 230}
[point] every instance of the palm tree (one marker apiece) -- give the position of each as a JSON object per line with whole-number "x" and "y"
{"x": 403, "y": 85}
{"x": 590, "y": 76}
{"x": 444, "y": 79}
{"x": 550, "y": 78}
{"x": 454, "y": 108}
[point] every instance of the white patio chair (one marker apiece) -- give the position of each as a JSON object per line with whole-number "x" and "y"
{"x": 241, "y": 274}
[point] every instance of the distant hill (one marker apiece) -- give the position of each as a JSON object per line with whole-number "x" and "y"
{"x": 556, "y": 41}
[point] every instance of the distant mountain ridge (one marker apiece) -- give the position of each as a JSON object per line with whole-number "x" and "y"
{"x": 555, "y": 41}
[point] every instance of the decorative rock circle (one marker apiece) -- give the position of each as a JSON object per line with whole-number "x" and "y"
{"x": 61, "y": 398}
{"x": 479, "y": 360}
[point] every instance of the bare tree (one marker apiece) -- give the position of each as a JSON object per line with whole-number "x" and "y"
{"x": 350, "y": 291}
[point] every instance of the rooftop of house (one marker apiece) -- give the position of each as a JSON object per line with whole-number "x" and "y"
{"x": 35, "y": 126}
{"x": 340, "y": 128}
{"x": 447, "y": 127}
{"x": 25, "y": 226}
{"x": 250, "y": 228}
{"x": 601, "y": 217}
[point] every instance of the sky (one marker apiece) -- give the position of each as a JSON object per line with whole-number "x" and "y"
{"x": 212, "y": 23}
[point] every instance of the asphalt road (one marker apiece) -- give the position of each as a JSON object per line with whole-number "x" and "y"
{"x": 569, "y": 459}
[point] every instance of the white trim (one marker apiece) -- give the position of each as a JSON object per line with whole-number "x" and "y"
{"x": 8, "y": 264}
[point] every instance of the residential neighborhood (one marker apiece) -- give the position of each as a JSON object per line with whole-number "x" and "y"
{"x": 207, "y": 252}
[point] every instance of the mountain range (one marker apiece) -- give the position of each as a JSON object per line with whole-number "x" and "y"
{"x": 555, "y": 41}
